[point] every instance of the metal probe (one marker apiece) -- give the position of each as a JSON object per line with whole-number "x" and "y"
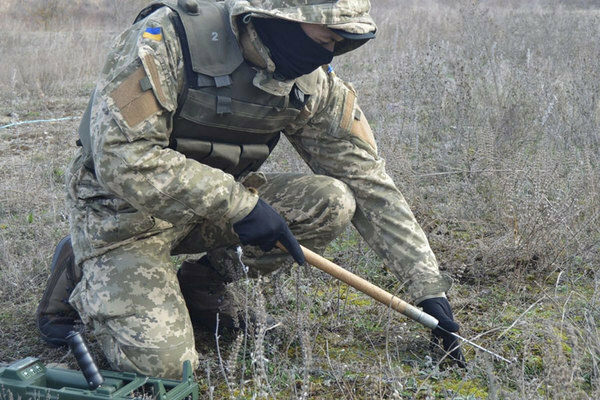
{"x": 456, "y": 335}
{"x": 377, "y": 293}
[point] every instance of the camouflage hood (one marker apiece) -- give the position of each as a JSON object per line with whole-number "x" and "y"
{"x": 351, "y": 16}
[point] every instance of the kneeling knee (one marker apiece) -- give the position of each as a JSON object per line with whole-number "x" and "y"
{"x": 344, "y": 205}
{"x": 159, "y": 362}
{"x": 340, "y": 204}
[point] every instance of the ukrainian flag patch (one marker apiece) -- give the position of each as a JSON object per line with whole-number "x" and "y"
{"x": 153, "y": 33}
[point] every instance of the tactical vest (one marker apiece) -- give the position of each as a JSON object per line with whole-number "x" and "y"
{"x": 222, "y": 119}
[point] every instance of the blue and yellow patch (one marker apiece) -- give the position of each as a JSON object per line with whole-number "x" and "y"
{"x": 153, "y": 33}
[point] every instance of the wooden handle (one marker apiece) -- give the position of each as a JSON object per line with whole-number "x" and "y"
{"x": 366, "y": 287}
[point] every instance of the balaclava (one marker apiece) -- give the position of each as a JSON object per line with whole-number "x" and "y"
{"x": 293, "y": 51}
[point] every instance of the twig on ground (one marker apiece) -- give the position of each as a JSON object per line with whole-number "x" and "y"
{"x": 240, "y": 253}
{"x": 519, "y": 317}
{"x": 337, "y": 381}
{"x": 221, "y": 364}
{"x": 467, "y": 172}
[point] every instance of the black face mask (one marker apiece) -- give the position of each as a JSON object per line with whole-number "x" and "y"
{"x": 292, "y": 51}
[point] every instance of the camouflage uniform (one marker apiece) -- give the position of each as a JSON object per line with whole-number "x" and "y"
{"x": 143, "y": 201}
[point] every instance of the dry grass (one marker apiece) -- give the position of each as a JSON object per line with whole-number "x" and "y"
{"x": 488, "y": 118}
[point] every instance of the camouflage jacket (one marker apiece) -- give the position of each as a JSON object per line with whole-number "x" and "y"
{"x": 135, "y": 168}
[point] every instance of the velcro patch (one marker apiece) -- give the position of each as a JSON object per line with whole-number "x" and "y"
{"x": 153, "y": 69}
{"x": 348, "y": 112}
{"x": 134, "y": 103}
{"x": 362, "y": 130}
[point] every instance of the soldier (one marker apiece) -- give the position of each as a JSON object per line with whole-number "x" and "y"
{"x": 191, "y": 101}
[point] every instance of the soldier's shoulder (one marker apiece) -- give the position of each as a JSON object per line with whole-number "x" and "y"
{"x": 153, "y": 36}
{"x": 157, "y": 28}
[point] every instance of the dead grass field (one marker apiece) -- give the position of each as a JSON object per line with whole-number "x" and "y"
{"x": 488, "y": 116}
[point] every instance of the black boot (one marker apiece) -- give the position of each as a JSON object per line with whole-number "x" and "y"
{"x": 55, "y": 316}
{"x": 205, "y": 293}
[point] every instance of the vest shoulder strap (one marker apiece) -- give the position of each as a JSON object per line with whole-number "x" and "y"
{"x": 213, "y": 48}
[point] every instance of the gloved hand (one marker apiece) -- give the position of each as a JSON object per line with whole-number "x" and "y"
{"x": 264, "y": 227}
{"x": 439, "y": 307}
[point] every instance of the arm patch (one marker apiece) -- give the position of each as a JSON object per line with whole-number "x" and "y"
{"x": 134, "y": 103}
{"x": 150, "y": 63}
{"x": 361, "y": 129}
{"x": 348, "y": 112}
{"x": 354, "y": 121}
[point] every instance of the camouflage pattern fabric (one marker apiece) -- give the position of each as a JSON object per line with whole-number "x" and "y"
{"x": 317, "y": 209}
{"x": 348, "y": 15}
{"x": 144, "y": 201}
{"x": 130, "y": 295}
{"x": 351, "y": 16}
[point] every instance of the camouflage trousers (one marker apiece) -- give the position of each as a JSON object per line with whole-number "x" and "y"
{"x": 130, "y": 294}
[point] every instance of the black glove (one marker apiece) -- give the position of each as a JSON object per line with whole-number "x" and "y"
{"x": 264, "y": 227}
{"x": 439, "y": 308}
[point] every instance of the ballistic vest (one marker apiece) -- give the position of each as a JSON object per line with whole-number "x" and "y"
{"x": 222, "y": 119}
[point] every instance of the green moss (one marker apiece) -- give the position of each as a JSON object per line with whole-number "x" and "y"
{"x": 462, "y": 235}
{"x": 6, "y": 317}
{"x": 354, "y": 297}
{"x": 473, "y": 387}
{"x": 534, "y": 365}
{"x": 58, "y": 174}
